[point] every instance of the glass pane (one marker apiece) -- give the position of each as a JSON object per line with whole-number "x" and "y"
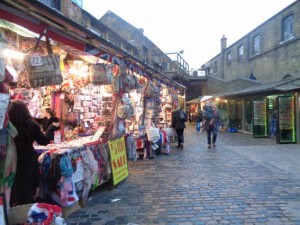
{"x": 260, "y": 117}
{"x": 286, "y": 120}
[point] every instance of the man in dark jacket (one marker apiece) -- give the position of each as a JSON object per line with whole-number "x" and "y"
{"x": 211, "y": 116}
{"x": 179, "y": 118}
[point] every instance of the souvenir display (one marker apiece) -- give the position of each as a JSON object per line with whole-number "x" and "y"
{"x": 98, "y": 106}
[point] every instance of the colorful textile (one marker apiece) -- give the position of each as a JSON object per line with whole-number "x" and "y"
{"x": 42, "y": 212}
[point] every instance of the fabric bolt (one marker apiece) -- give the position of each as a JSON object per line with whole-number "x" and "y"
{"x": 90, "y": 166}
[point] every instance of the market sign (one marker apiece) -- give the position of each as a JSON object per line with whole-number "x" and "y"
{"x": 118, "y": 160}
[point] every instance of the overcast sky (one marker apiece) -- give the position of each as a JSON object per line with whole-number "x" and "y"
{"x": 195, "y": 26}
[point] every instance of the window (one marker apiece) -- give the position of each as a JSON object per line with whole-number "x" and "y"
{"x": 256, "y": 45}
{"x": 145, "y": 54}
{"x": 78, "y": 2}
{"x": 241, "y": 53}
{"x": 287, "y": 28}
{"x": 52, "y": 3}
{"x": 215, "y": 66}
{"x": 229, "y": 59}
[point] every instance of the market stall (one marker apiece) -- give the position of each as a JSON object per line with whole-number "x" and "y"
{"x": 107, "y": 109}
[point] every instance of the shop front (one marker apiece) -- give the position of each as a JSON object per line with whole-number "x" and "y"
{"x": 268, "y": 110}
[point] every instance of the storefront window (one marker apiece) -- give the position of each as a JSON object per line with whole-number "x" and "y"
{"x": 235, "y": 113}
{"x": 248, "y": 114}
{"x": 222, "y": 106}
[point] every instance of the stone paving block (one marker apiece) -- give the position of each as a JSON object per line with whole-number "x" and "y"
{"x": 243, "y": 181}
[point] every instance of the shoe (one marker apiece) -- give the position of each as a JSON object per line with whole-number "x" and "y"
{"x": 181, "y": 146}
{"x": 209, "y": 146}
{"x": 214, "y": 145}
{"x": 178, "y": 146}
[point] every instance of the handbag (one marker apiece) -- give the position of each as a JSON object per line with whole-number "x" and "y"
{"x": 101, "y": 73}
{"x": 43, "y": 70}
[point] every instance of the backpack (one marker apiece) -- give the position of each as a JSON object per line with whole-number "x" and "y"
{"x": 182, "y": 116}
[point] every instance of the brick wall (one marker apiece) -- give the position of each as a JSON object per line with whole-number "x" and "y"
{"x": 72, "y": 11}
{"x": 276, "y": 59}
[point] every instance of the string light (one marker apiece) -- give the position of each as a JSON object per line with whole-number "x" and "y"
{"x": 13, "y": 54}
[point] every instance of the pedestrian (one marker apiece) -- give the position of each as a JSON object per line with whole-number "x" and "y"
{"x": 199, "y": 120}
{"x": 211, "y": 116}
{"x": 179, "y": 118}
{"x": 26, "y": 179}
{"x": 274, "y": 121}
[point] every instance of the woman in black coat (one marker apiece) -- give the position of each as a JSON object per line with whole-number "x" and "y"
{"x": 27, "y": 175}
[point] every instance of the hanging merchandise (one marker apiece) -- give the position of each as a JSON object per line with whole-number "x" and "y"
{"x": 101, "y": 73}
{"x": 43, "y": 70}
{"x": 2, "y": 59}
{"x": 114, "y": 87}
{"x": 130, "y": 82}
{"x": 125, "y": 109}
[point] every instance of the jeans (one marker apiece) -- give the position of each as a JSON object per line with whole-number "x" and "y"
{"x": 180, "y": 138}
{"x": 273, "y": 126}
{"x": 215, "y": 134}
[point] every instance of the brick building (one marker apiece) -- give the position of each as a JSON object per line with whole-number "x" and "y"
{"x": 270, "y": 52}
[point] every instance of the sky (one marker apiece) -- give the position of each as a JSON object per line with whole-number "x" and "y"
{"x": 194, "y": 26}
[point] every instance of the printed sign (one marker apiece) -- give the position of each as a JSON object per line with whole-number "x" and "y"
{"x": 36, "y": 61}
{"x": 118, "y": 160}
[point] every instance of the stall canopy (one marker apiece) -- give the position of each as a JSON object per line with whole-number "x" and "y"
{"x": 199, "y": 99}
{"x": 282, "y": 86}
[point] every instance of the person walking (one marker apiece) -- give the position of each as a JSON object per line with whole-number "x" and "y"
{"x": 179, "y": 118}
{"x": 199, "y": 120}
{"x": 211, "y": 116}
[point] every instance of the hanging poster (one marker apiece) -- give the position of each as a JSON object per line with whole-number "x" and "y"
{"x": 286, "y": 120}
{"x": 260, "y": 117}
{"x": 118, "y": 160}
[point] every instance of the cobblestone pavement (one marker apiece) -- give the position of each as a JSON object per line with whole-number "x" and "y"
{"x": 244, "y": 180}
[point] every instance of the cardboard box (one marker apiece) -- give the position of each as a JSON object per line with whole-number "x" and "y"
{"x": 66, "y": 211}
{"x": 18, "y": 214}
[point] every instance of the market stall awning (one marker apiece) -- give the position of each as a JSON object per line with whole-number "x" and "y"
{"x": 199, "y": 99}
{"x": 282, "y": 86}
{"x": 193, "y": 101}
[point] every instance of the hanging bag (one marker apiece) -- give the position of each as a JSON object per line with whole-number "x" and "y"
{"x": 43, "y": 70}
{"x": 101, "y": 73}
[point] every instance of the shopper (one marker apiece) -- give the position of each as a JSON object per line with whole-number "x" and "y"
{"x": 49, "y": 119}
{"x": 27, "y": 174}
{"x": 211, "y": 116}
{"x": 50, "y": 123}
{"x": 199, "y": 120}
{"x": 179, "y": 118}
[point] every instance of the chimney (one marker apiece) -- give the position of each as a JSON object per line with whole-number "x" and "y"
{"x": 223, "y": 43}
{"x": 141, "y": 30}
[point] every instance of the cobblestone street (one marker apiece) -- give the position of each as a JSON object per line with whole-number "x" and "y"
{"x": 244, "y": 180}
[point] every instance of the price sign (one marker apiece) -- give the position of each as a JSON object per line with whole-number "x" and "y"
{"x": 36, "y": 60}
